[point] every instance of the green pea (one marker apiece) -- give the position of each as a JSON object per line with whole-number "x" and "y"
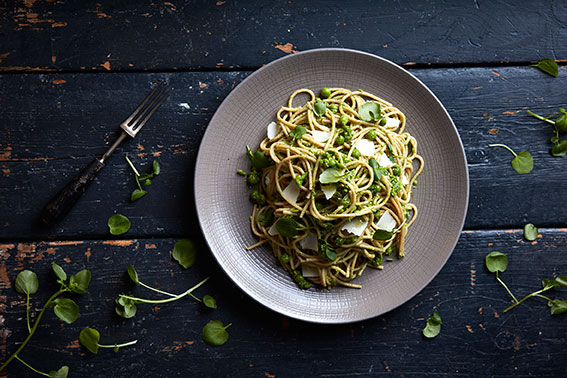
{"x": 371, "y": 135}
{"x": 346, "y": 202}
{"x": 339, "y": 240}
{"x": 284, "y": 259}
{"x": 383, "y": 122}
{"x": 340, "y": 140}
{"x": 253, "y": 178}
{"x": 325, "y": 92}
{"x": 355, "y": 153}
{"x": 343, "y": 120}
{"x": 333, "y": 108}
{"x": 241, "y": 172}
{"x": 396, "y": 170}
{"x": 375, "y": 188}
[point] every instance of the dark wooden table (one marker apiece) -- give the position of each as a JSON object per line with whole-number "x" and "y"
{"x": 71, "y": 72}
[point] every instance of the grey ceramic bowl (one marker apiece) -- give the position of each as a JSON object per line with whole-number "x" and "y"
{"x": 222, "y": 196}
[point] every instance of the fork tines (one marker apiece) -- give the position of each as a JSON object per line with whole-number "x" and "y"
{"x": 140, "y": 116}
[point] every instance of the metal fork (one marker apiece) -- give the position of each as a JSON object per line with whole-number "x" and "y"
{"x": 64, "y": 200}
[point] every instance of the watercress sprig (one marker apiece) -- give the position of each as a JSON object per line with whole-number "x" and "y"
{"x": 547, "y": 65}
{"x": 559, "y": 148}
{"x": 89, "y": 338}
{"x": 125, "y": 305}
{"x": 64, "y": 308}
{"x": 522, "y": 162}
{"x": 146, "y": 177}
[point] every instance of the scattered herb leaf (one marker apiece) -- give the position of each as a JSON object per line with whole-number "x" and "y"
{"x": 118, "y": 224}
{"x": 382, "y": 235}
{"x": 184, "y": 253}
{"x": 331, "y": 175}
{"x": 522, "y": 162}
{"x": 137, "y": 194}
{"x": 66, "y": 309}
{"x": 63, "y": 372}
{"x": 369, "y": 111}
{"x": 258, "y": 160}
{"x": 59, "y": 272}
{"x": 297, "y": 133}
{"x": 214, "y": 333}
{"x": 209, "y": 301}
{"x": 530, "y": 232}
{"x": 496, "y": 262}
{"x": 89, "y": 338}
{"x": 320, "y": 108}
{"x": 156, "y": 167}
{"x": 79, "y": 282}
{"x": 27, "y": 282}
{"x": 549, "y": 66}
{"x": 432, "y": 326}
{"x": 287, "y": 227}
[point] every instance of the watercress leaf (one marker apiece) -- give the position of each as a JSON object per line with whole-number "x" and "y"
{"x": 66, "y": 309}
{"x": 320, "y": 108}
{"x": 378, "y": 171}
{"x": 331, "y": 175}
{"x": 287, "y": 227}
{"x": 137, "y": 194}
{"x": 558, "y": 306}
{"x": 145, "y": 176}
{"x": 549, "y": 66}
{"x": 214, "y": 333}
{"x": 369, "y": 111}
{"x": 148, "y": 182}
{"x": 559, "y": 149}
{"x": 432, "y": 326}
{"x": 561, "y": 281}
{"x": 27, "y": 282}
{"x": 297, "y": 133}
{"x": 496, "y": 262}
{"x": 156, "y": 167}
{"x": 327, "y": 251}
{"x": 259, "y": 161}
{"x": 523, "y": 163}
{"x": 59, "y": 272}
{"x": 561, "y": 123}
{"x": 554, "y": 139}
{"x": 133, "y": 274}
{"x": 63, "y": 372}
{"x": 89, "y": 338}
{"x": 265, "y": 218}
{"x": 184, "y": 253}
{"x": 125, "y": 307}
{"x": 118, "y": 224}
{"x": 209, "y": 301}
{"x": 530, "y": 232}
{"x": 382, "y": 235}
{"x": 79, "y": 282}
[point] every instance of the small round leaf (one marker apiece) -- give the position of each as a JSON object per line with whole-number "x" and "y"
{"x": 530, "y": 232}
{"x": 66, "y": 309}
{"x": 523, "y": 163}
{"x": 27, "y": 282}
{"x": 133, "y": 274}
{"x": 156, "y": 167}
{"x": 214, "y": 333}
{"x": 79, "y": 282}
{"x": 209, "y": 301}
{"x": 59, "y": 272}
{"x": 63, "y": 372}
{"x": 137, "y": 194}
{"x": 287, "y": 227}
{"x": 184, "y": 253}
{"x": 89, "y": 338}
{"x": 118, "y": 224}
{"x": 496, "y": 262}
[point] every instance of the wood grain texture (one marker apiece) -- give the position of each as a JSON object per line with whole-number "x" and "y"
{"x": 55, "y": 129}
{"x": 477, "y": 338}
{"x": 187, "y": 35}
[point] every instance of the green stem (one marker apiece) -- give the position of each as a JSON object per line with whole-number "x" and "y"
{"x": 30, "y": 367}
{"x": 503, "y": 145}
{"x": 156, "y": 290}
{"x": 28, "y": 311}
{"x": 523, "y": 299}
{"x": 543, "y": 118}
{"x": 118, "y": 345}
{"x": 35, "y": 324}
{"x": 506, "y": 287}
{"x": 132, "y": 166}
{"x": 542, "y": 296}
{"x": 158, "y": 301}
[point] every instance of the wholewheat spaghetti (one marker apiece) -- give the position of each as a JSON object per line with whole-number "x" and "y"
{"x": 334, "y": 185}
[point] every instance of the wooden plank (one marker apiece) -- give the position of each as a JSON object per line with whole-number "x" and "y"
{"x": 53, "y": 130}
{"x": 177, "y": 35}
{"x": 524, "y": 342}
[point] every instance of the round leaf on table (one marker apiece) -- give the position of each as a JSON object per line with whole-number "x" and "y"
{"x": 66, "y": 309}
{"x": 118, "y": 224}
{"x": 496, "y": 262}
{"x": 59, "y": 272}
{"x": 79, "y": 283}
{"x": 432, "y": 326}
{"x": 530, "y": 232}
{"x": 209, "y": 301}
{"x": 89, "y": 338}
{"x": 125, "y": 307}
{"x": 523, "y": 162}
{"x": 184, "y": 253}
{"x": 63, "y": 372}
{"x": 133, "y": 274}
{"x": 214, "y": 333}
{"x": 27, "y": 282}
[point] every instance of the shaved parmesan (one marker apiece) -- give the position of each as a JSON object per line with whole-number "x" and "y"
{"x": 384, "y": 161}
{"x": 309, "y": 271}
{"x": 356, "y": 226}
{"x": 273, "y": 230}
{"x": 392, "y": 122}
{"x": 386, "y": 222}
{"x": 272, "y": 130}
{"x": 329, "y": 190}
{"x": 320, "y": 136}
{"x": 267, "y": 180}
{"x": 310, "y": 242}
{"x": 366, "y": 147}
{"x": 405, "y": 180}
{"x": 291, "y": 192}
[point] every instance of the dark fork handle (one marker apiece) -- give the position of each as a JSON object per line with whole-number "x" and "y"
{"x": 70, "y": 194}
